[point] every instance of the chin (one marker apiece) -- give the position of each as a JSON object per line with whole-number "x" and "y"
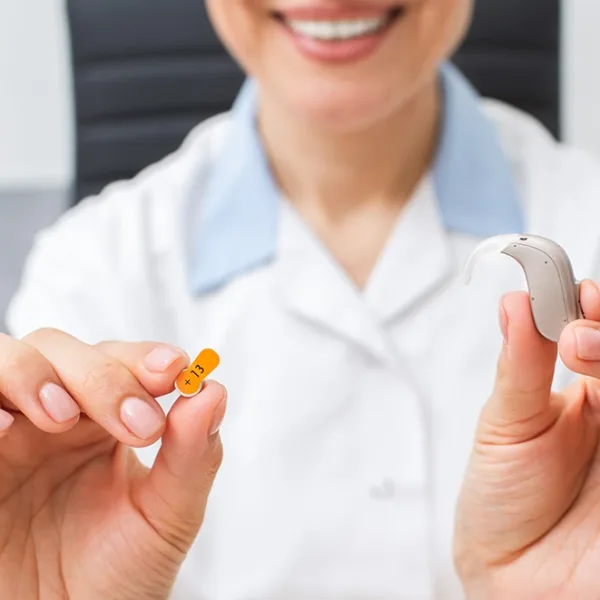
{"x": 342, "y": 108}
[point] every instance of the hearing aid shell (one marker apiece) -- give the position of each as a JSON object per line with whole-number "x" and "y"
{"x": 553, "y": 290}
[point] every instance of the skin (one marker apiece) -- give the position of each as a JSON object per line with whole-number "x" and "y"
{"x": 347, "y": 143}
{"x": 528, "y": 524}
{"x": 80, "y": 517}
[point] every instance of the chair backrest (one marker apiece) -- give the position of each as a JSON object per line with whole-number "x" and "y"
{"x": 146, "y": 71}
{"x": 512, "y": 53}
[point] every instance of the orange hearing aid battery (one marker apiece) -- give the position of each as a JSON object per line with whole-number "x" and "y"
{"x": 191, "y": 380}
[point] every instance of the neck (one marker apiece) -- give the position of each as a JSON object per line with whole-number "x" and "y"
{"x": 338, "y": 173}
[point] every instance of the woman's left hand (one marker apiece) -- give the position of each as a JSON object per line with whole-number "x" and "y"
{"x": 528, "y": 518}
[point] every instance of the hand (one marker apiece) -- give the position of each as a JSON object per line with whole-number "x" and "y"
{"x": 80, "y": 517}
{"x": 528, "y": 520}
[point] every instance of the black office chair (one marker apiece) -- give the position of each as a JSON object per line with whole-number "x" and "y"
{"x": 146, "y": 71}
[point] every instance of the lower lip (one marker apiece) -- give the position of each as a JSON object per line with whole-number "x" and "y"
{"x": 339, "y": 51}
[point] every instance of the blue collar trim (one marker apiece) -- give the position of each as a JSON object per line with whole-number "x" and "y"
{"x": 233, "y": 227}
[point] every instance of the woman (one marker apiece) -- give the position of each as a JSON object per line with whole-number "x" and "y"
{"x": 313, "y": 237}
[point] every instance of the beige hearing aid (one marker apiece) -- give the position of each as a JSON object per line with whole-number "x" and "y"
{"x": 553, "y": 290}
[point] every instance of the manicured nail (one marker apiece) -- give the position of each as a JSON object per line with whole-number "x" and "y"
{"x": 140, "y": 418}
{"x": 161, "y": 358}
{"x": 588, "y": 343}
{"x": 503, "y": 320}
{"x": 6, "y": 420}
{"x": 58, "y": 403}
{"x": 218, "y": 417}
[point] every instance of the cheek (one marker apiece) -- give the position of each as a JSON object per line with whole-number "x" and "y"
{"x": 239, "y": 24}
{"x": 455, "y": 22}
{"x": 439, "y": 27}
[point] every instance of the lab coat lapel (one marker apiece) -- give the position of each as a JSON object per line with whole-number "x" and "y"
{"x": 312, "y": 286}
{"x": 417, "y": 260}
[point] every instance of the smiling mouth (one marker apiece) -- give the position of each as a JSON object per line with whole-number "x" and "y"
{"x": 339, "y": 30}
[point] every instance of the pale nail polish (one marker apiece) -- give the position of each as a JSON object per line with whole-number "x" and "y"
{"x": 588, "y": 343}
{"x": 161, "y": 358}
{"x": 140, "y": 418}
{"x": 58, "y": 403}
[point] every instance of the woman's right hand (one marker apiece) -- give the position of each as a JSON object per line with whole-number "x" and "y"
{"x": 80, "y": 516}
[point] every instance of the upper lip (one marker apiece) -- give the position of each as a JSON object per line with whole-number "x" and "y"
{"x": 330, "y": 12}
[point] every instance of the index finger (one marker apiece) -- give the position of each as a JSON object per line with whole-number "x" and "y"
{"x": 155, "y": 365}
{"x": 103, "y": 387}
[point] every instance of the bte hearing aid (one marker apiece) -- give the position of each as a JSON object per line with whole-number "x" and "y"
{"x": 553, "y": 289}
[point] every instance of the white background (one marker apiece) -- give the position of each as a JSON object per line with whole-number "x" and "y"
{"x": 35, "y": 96}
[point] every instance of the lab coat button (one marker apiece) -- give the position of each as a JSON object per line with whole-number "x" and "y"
{"x": 385, "y": 490}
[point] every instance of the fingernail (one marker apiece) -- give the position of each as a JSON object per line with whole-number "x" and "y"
{"x": 218, "y": 417}
{"x": 6, "y": 420}
{"x": 58, "y": 403}
{"x": 140, "y": 418}
{"x": 503, "y": 319}
{"x": 161, "y": 358}
{"x": 588, "y": 343}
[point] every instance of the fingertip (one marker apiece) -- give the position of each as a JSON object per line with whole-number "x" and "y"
{"x": 215, "y": 389}
{"x": 161, "y": 384}
{"x": 517, "y": 307}
{"x": 579, "y": 347}
{"x": 200, "y": 416}
{"x": 589, "y": 298}
{"x": 567, "y": 345}
{"x": 517, "y": 324}
{"x": 165, "y": 359}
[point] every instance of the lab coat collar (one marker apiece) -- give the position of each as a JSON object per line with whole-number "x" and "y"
{"x": 234, "y": 227}
{"x": 311, "y": 285}
{"x": 416, "y": 261}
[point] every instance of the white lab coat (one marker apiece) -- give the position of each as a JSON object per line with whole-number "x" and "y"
{"x": 351, "y": 414}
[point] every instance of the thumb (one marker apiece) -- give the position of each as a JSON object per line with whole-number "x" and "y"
{"x": 520, "y": 407}
{"x": 174, "y": 495}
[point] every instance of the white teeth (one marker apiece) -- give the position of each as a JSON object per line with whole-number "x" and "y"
{"x": 337, "y": 30}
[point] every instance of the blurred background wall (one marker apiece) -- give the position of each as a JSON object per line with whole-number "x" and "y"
{"x": 35, "y": 117}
